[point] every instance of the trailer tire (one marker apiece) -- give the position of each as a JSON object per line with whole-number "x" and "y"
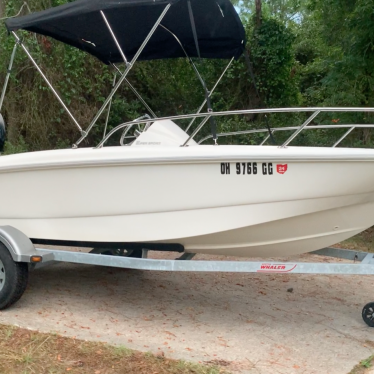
{"x": 13, "y": 278}
{"x": 135, "y": 253}
{"x": 368, "y": 314}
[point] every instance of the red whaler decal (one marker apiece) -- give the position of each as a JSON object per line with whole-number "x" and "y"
{"x": 276, "y": 268}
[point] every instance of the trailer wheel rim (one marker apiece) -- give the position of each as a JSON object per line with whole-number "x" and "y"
{"x": 2, "y": 275}
{"x": 368, "y": 314}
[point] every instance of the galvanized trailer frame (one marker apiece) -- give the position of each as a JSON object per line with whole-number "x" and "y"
{"x": 18, "y": 250}
{"x": 362, "y": 263}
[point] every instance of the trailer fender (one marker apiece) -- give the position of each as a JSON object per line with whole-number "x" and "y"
{"x": 18, "y": 244}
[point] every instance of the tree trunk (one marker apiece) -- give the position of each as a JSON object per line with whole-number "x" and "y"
{"x": 2, "y": 9}
{"x": 258, "y": 13}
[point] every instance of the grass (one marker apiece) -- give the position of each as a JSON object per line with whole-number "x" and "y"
{"x": 364, "y": 367}
{"x": 27, "y": 352}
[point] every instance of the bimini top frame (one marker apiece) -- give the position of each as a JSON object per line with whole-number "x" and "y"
{"x": 189, "y": 28}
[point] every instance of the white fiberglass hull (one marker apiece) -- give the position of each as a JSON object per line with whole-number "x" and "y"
{"x": 300, "y": 199}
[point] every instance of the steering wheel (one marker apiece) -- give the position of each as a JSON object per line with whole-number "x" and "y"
{"x": 141, "y": 127}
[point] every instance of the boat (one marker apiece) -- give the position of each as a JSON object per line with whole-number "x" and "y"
{"x": 162, "y": 189}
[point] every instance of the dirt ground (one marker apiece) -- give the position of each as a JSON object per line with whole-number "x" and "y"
{"x": 248, "y": 323}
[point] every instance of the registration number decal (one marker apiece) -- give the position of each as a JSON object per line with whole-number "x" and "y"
{"x": 252, "y": 168}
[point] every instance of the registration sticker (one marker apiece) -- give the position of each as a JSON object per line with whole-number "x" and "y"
{"x": 281, "y": 169}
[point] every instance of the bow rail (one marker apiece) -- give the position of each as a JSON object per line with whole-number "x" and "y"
{"x": 297, "y": 129}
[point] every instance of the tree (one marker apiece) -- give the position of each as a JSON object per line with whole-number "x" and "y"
{"x": 258, "y": 13}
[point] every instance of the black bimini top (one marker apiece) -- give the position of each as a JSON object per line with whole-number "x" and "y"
{"x": 219, "y": 30}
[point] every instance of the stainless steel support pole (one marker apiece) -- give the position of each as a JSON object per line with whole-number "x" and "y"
{"x": 119, "y": 71}
{"x": 210, "y": 94}
{"x": 266, "y": 139}
{"x": 109, "y": 107}
{"x": 297, "y": 132}
{"x": 344, "y": 136}
{"x": 114, "y": 37}
{"x": 136, "y": 93}
{"x": 48, "y": 83}
{"x": 120, "y": 81}
{"x": 203, "y": 122}
{"x": 205, "y": 88}
{"x": 8, "y": 75}
{"x": 190, "y": 60}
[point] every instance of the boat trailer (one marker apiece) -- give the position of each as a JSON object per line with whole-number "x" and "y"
{"x": 18, "y": 256}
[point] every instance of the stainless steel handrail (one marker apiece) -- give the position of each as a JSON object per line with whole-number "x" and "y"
{"x": 298, "y": 131}
{"x": 265, "y": 139}
{"x": 254, "y": 111}
{"x": 344, "y": 136}
{"x": 276, "y": 129}
{"x": 198, "y": 128}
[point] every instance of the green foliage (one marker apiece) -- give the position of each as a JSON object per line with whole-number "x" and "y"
{"x": 304, "y": 52}
{"x": 20, "y": 147}
{"x": 367, "y": 363}
{"x": 341, "y": 72}
{"x": 272, "y": 54}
